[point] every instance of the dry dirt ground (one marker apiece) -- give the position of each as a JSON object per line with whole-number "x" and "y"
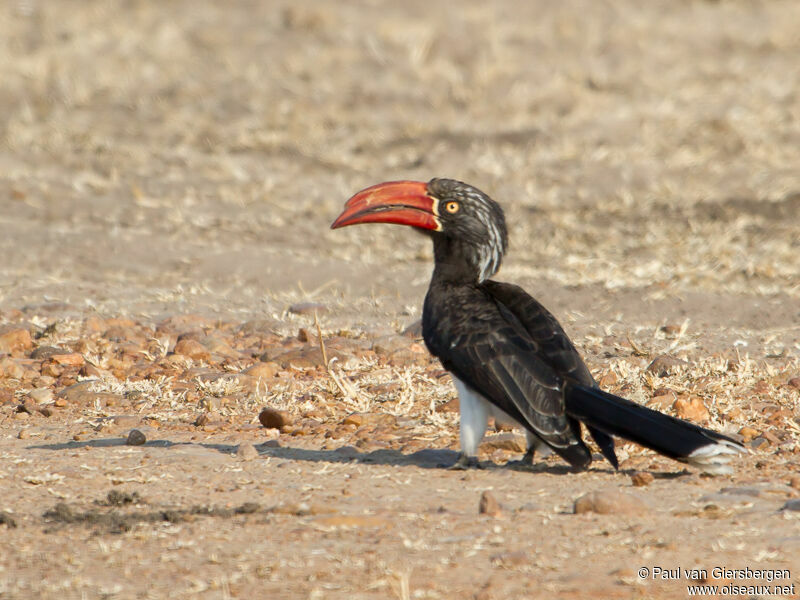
{"x": 168, "y": 172}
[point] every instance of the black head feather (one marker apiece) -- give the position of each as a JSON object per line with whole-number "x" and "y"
{"x": 473, "y": 235}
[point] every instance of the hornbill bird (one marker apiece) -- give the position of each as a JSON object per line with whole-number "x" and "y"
{"x": 508, "y": 356}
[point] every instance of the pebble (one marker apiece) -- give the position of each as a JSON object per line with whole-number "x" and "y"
{"x": 665, "y": 364}
{"x": 512, "y": 442}
{"x": 608, "y": 380}
{"x": 43, "y": 352}
{"x": 642, "y": 478}
{"x": 246, "y": 451}
{"x": 610, "y": 502}
{"x": 748, "y": 433}
{"x": 12, "y": 369}
{"x": 135, "y": 438}
{"x": 15, "y": 339}
{"x": 794, "y": 382}
{"x": 795, "y": 482}
{"x": 451, "y": 406}
{"x": 191, "y": 349}
{"x": 691, "y": 409}
{"x": 308, "y": 308}
{"x": 24, "y": 434}
{"x": 793, "y": 505}
{"x": 272, "y": 418}
{"x": 41, "y": 395}
{"x": 489, "y": 506}
{"x": 265, "y": 370}
{"x": 29, "y": 405}
{"x": 71, "y": 359}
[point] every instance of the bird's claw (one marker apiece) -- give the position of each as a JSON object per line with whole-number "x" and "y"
{"x": 526, "y": 462}
{"x": 465, "y": 462}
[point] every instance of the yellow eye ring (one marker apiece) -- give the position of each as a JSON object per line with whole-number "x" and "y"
{"x": 452, "y": 207}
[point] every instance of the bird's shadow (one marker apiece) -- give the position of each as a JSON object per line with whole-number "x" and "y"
{"x": 429, "y": 458}
{"x": 426, "y": 459}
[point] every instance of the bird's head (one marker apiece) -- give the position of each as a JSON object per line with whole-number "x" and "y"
{"x": 468, "y": 227}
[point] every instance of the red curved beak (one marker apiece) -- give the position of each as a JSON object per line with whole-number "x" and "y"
{"x": 399, "y": 202}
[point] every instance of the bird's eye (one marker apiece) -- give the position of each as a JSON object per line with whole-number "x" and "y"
{"x": 452, "y": 207}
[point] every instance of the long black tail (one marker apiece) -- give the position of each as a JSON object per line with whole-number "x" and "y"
{"x": 665, "y": 434}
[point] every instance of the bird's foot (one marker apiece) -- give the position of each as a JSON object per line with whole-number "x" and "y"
{"x": 526, "y": 462}
{"x": 465, "y": 462}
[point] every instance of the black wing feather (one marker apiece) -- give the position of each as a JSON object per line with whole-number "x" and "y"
{"x": 485, "y": 345}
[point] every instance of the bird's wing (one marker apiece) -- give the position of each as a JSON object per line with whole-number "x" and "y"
{"x": 553, "y": 345}
{"x": 492, "y": 353}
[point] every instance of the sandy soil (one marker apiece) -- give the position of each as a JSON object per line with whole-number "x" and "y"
{"x": 168, "y": 172}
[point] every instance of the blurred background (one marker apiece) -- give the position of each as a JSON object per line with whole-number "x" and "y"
{"x": 162, "y": 157}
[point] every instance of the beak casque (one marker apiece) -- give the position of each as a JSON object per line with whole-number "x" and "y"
{"x": 399, "y": 202}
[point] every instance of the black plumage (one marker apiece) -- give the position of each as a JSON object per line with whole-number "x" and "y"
{"x": 508, "y": 355}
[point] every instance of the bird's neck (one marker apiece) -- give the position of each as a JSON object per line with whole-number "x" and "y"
{"x": 464, "y": 262}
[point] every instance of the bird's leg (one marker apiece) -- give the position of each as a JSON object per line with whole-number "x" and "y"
{"x": 465, "y": 462}
{"x": 474, "y": 418}
{"x": 526, "y": 461}
{"x": 534, "y": 443}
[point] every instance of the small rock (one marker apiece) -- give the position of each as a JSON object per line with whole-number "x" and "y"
{"x": 488, "y": 505}
{"x": 642, "y": 478}
{"x": 43, "y": 352}
{"x": 71, "y": 359}
{"x": 7, "y": 520}
{"x": 24, "y": 434}
{"x": 512, "y": 442}
{"x": 89, "y": 370}
{"x": 354, "y": 419}
{"x": 308, "y": 308}
{"x": 191, "y": 349}
{"x": 204, "y": 419}
{"x": 663, "y": 365}
{"x": 451, "y": 406}
{"x": 671, "y": 329}
{"x": 793, "y": 505}
{"x": 795, "y": 482}
{"x": 759, "y": 442}
{"x": 29, "y": 405}
{"x": 748, "y": 433}
{"x": 610, "y": 502}
{"x": 51, "y": 369}
{"x": 41, "y": 395}
{"x": 135, "y": 438}
{"x": 304, "y": 335}
{"x": 691, "y": 409}
{"x": 12, "y": 369}
{"x": 607, "y": 380}
{"x": 15, "y": 339}
{"x": 794, "y": 382}
{"x": 272, "y": 418}
{"x": 662, "y": 401}
{"x": 247, "y": 451}
{"x": 266, "y": 370}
